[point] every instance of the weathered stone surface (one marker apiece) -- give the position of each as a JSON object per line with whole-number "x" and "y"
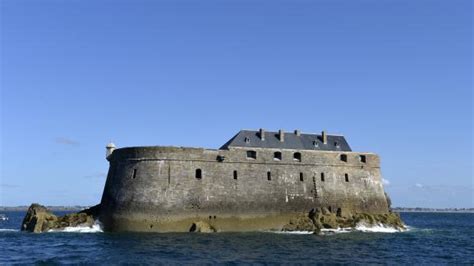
{"x": 39, "y": 219}
{"x": 388, "y": 219}
{"x": 300, "y": 223}
{"x": 316, "y": 220}
{"x": 329, "y": 221}
{"x": 202, "y": 227}
{"x": 161, "y": 184}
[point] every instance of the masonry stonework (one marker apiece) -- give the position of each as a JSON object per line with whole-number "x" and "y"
{"x": 159, "y": 188}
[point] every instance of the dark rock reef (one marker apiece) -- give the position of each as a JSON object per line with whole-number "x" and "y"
{"x": 318, "y": 219}
{"x": 202, "y": 227}
{"x": 39, "y": 219}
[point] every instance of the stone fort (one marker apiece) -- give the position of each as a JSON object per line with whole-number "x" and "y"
{"x": 258, "y": 180}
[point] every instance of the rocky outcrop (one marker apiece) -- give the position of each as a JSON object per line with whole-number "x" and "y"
{"x": 39, "y": 219}
{"x": 318, "y": 219}
{"x": 202, "y": 227}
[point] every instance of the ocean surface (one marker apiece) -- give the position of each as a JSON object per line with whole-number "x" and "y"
{"x": 432, "y": 238}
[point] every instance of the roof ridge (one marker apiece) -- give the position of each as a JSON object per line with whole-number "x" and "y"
{"x": 304, "y": 141}
{"x": 292, "y": 132}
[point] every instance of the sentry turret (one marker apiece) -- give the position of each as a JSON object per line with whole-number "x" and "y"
{"x": 109, "y": 149}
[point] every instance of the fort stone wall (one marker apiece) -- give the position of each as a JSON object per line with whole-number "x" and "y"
{"x": 169, "y": 188}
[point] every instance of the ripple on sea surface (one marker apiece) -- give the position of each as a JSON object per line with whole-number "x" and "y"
{"x": 433, "y": 238}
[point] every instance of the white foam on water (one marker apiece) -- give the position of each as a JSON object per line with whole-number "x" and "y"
{"x": 377, "y": 228}
{"x": 337, "y": 231}
{"x": 95, "y": 228}
{"x": 8, "y": 230}
{"x": 292, "y": 232}
{"x": 360, "y": 227}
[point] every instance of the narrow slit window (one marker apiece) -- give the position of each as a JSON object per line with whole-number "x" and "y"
{"x": 251, "y": 155}
{"x": 322, "y": 177}
{"x": 198, "y": 173}
{"x": 277, "y": 156}
{"x": 269, "y": 176}
{"x": 235, "y": 175}
{"x": 134, "y": 175}
{"x": 344, "y": 157}
{"x": 297, "y": 156}
{"x": 301, "y": 177}
{"x": 363, "y": 158}
{"x": 346, "y": 177}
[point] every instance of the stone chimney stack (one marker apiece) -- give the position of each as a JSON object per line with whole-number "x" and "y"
{"x": 281, "y": 135}
{"x": 262, "y": 134}
{"x": 297, "y": 133}
{"x": 324, "y": 137}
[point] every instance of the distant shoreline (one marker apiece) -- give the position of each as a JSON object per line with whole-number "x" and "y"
{"x": 396, "y": 209}
{"x": 52, "y": 208}
{"x": 435, "y": 210}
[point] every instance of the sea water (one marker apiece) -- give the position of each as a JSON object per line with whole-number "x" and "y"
{"x": 431, "y": 238}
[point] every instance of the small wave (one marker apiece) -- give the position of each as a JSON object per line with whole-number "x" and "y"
{"x": 8, "y": 230}
{"x": 361, "y": 227}
{"x": 337, "y": 231}
{"x": 96, "y": 228}
{"x": 293, "y": 232}
{"x": 377, "y": 228}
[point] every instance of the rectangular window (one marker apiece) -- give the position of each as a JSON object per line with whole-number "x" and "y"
{"x": 269, "y": 175}
{"x": 297, "y": 156}
{"x": 235, "y": 175}
{"x": 198, "y": 174}
{"x": 363, "y": 158}
{"x": 301, "y": 177}
{"x": 251, "y": 155}
{"x": 346, "y": 176}
{"x": 134, "y": 175}
{"x": 344, "y": 157}
{"x": 277, "y": 156}
{"x": 322, "y": 177}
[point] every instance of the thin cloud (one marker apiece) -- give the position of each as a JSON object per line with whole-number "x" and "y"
{"x": 66, "y": 141}
{"x": 418, "y": 185}
{"x": 9, "y": 186}
{"x": 386, "y": 182}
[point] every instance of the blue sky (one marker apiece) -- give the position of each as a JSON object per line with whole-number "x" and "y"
{"x": 395, "y": 77}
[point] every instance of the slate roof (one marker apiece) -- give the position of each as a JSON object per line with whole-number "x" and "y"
{"x": 251, "y": 139}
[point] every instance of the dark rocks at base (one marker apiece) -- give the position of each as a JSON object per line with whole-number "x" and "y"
{"x": 39, "y": 219}
{"x": 391, "y": 219}
{"x": 202, "y": 227}
{"x": 318, "y": 219}
{"x": 300, "y": 223}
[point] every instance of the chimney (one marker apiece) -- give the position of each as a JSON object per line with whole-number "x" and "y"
{"x": 262, "y": 134}
{"x": 297, "y": 133}
{"x": 281, "y": 135}
{"x": 324, "y": 137}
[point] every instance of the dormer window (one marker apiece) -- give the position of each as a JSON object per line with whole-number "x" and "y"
{"x": 247, "y": 140}
{"x": 297, "y": 156}
{"x": 337, "y": 145}
{"x": 315, "y": 144}
{"x": 277, "y": 156}
{"x": 251, "y": 155}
